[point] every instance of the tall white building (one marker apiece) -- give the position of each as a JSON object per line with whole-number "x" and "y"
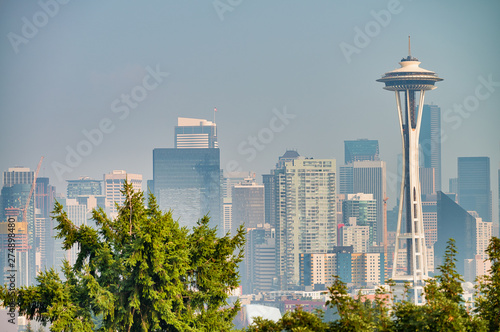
{"x": 78, "y": 214}
{"x": 227, "y": 215}
{"x": 305, "y": 214}
{"x": 113, "y": 183}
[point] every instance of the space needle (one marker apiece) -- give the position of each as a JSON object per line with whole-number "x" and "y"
{"x": 410, "y": 82}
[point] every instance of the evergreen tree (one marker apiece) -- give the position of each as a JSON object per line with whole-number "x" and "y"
{"x": 139, "y": 272}
{"x": 488, "y": 302}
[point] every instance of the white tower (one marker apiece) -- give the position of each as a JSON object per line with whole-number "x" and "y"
{"x": 410, "y": 82}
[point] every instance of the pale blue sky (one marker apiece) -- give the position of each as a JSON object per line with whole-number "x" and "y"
{"x": 263, "y": 55}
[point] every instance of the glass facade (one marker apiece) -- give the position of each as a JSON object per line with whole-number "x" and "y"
{"x": 361, "y": 149}
{"x": 187, "y": 181}
{"x": 474, "y": 188}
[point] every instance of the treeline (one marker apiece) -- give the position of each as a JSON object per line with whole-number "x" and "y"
{"x": 444, "y": 310}
{"x": 143, "y": 272}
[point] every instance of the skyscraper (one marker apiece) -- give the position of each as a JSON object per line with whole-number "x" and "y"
{"x": 270, "y": 189}
{"x": 15, "y": 197}
{"x": 474, "y": 188}
{"x": 44, "y": 225}
{"x": 195, "y": 134}
{"x": 361, "y": 149}
{"x": 247, "y": 205}
{"x": 410, "y": 83}
{"x": 305, "y": 214}
{"x": 113, "y": 184}
{"x": 187, "y": 181}
{"x": 453, "y": 221}
{"x": 367, "y": 177}
{"x": 430, "y": 140}
{"x": 187, "y": 178}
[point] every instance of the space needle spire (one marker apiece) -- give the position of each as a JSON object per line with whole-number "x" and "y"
{"x": 410, "y": 82}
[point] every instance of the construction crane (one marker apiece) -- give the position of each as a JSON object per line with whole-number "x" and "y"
{"x": 25, "y": 212}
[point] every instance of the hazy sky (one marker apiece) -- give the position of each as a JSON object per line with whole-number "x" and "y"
{"x": 282, "y": 74}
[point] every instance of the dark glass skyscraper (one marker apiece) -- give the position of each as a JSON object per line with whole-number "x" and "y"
{"x": 474, "y": 188}
{"x": 430, "y": 141}
{"x": 453, "y": 221}
{"x": 361, "y": 149}
{"x": 187, "y": 181}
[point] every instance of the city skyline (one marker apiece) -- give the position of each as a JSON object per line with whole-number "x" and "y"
{"x": 295, "y": 85}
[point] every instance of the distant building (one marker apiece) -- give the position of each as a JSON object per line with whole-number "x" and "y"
{"x": 453, "y": 185}
{"x": 14, "y": 198}
{"x": 430, "y": 140}
{"x": 427, "y": 180}
{"x": 247, "y": 205}
{"x": 354, "y": 235}
{"x": 361, "y": 269}
{"x": 317, "y": 269}
{"x": 474, "y": 191}
{"x": 361, "y": 149}
{"x": 453, "y": 221}
{"x": 230, "y": 179}
{"x": 84, "y": 186}
{"x": 367, "y": 177}
{"x": 258, "y": 269}
{"x": 227, "y": 215}
{"x": 44, "y": 224}
{"x": 363, "y": 208}
{"x": 187, "y": 181}
{"x": 113, "y": 184}
{"x": 195, "y": 134}
{"x": 305, "y": 206}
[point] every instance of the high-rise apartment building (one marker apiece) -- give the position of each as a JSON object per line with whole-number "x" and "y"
{"x": 430, "y": 140}
{"x": 113, "y": 184}
{"x": 474, "y": 188}
{"x": 195, "y": 134}
{"x": 361, "y": 149}
{"x": 367, "y": 177}
{"x": 84, "y": 186}
{"x": 305, "y": 214}
{"x": 270, "y": 191}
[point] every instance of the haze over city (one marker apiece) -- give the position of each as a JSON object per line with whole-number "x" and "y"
{"x": 250, "y": 60}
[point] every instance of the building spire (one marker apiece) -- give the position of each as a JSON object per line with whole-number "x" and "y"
{"x": 409, "y": 47}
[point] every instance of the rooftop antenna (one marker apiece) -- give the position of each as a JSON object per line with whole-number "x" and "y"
{"x": 409, "y": 47}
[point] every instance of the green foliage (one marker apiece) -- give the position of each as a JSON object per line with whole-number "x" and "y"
{"x": 488, "y": 302}
{"x": 138, "y": 272}
{"x": 444, "y": 309}
{"x": 356, "y": 314}
{"x": 292, "y": 321}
